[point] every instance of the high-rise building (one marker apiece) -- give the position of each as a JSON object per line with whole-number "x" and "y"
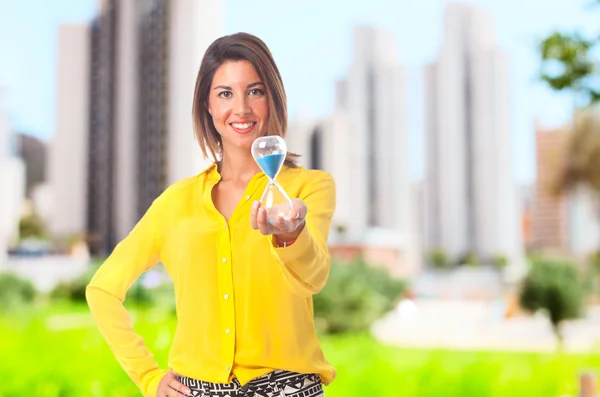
{"x": 173, "y": 38}
{"x": 363, "y": 145}
{"x": 12, "y": 175}
{"x": 471, "y": 197}
{"x": 324, "y": 144}
{"x": 101, "y": 148}
{"x": 143, "y": 57}
{"x": 68, "y": 150}
{"x": 157, "y": 47}
{"x": 152, "y": 130}
{"x": 193, "y": 26}
{"x": 373, "y": 97}
{"x": 549, "y": 223}
{"x": 127, "y": 115}
{"x": 33, "y": 152}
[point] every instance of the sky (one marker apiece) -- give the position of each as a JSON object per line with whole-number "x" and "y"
{"x": 311, "y": 42}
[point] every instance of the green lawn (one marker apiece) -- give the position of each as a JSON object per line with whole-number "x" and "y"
{"x": 58, "y": 352}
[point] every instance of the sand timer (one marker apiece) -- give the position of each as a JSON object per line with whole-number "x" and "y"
{"x": 269, "y": 153}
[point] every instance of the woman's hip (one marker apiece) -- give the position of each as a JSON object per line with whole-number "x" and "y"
{"x": 275, "y": 384}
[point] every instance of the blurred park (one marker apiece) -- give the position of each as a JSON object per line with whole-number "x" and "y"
{"x": 468, "y": 265}
{"x": 52, "y": 348}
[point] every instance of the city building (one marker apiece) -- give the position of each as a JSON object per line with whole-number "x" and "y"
{"x": 471, "y": 196}
{"x": 562, "y": 223}
{"x": 373, "y": 97}
{"x": 549, "y": 222}
{"x": 142, "y": 62}
{"x": 33, "y": 152}
{"x": 12, "y": 175}
{"x": 363, "y": 145}
{"x": 67, "y": 169}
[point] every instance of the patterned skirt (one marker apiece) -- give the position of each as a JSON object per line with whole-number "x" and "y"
{"x": 275, "y": 384}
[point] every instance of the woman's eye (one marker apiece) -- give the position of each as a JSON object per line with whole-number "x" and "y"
{"x": 256, "y": 91}
{"x": 225, "y": 94}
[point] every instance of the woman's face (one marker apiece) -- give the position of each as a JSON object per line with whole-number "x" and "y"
{"x": 238, "y": 104}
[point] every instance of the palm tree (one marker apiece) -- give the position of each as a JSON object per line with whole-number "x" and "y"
{"x": 581, "y": 166}
{"x": 582, "y": 157}
{"x": 582, "y": 163}
{"x": 568, "y": 64}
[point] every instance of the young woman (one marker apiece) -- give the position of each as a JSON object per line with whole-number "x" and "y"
{"x": 243, "y": 285}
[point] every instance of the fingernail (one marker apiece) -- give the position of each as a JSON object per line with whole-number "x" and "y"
{"x": 255, "y": 205}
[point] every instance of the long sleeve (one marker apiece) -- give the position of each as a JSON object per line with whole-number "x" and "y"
{"x": 306, "y": 263}
{"x": 106, "y": 292}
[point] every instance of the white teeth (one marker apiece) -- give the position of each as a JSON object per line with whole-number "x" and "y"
{"x": 242, "y": 126}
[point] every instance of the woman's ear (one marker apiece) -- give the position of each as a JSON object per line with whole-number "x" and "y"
{"x": 207, "y": 108}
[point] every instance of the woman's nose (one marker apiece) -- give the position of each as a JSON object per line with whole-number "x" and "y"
{"x": 241, "y": 106}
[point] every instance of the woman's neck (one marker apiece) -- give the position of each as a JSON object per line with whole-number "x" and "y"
{"x": 238, "y": 166}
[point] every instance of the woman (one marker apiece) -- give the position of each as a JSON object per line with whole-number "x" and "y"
{"x": 243, "y": 285}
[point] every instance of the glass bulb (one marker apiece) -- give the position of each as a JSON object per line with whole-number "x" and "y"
{"x": 269, "y": 153}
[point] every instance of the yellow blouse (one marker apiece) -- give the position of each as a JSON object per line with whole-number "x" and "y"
{"x": 244, "y": 306}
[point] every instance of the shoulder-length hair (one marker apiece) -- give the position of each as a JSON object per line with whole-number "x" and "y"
{"x": 238, "y": 47}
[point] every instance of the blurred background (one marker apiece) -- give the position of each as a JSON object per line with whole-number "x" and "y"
{"x": 464, "y": 139}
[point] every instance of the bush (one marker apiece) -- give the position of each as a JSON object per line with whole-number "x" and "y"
{"x": 500, "y": 261}
{"x": 556, "y": 288}
{"x": 438, "y": 259}
{"x": 468, "y": 259}
{"x": 31, "y": 226}
{"x": 355, "y": 296}
{"x": 74, "y": 290}
{"x": 15, "y": 292}
{"x": 594, "y": 272}
{"x": 140, "y": 296}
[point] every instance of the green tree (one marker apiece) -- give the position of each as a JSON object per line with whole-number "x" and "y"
{"x": 569, "y": 64}
{"x": 556, "y": 288}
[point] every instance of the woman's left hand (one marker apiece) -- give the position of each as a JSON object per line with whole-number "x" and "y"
{"x": 285, "y": 228}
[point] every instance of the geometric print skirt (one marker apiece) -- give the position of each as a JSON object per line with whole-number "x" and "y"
{"x": 275, "y": 384}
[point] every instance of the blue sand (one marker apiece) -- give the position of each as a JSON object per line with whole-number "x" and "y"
{"x": 271, "y": 163}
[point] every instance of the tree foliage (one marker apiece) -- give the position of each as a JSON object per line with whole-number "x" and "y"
{"x": 555, "y": 288}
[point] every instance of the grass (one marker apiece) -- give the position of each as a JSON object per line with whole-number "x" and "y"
{"x": 58, "y": 352}
{"x": 366, "y": 367}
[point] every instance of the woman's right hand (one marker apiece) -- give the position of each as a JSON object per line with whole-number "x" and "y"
{"x": 169, "y": 386}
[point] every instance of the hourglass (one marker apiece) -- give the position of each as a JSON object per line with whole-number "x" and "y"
{"x": 269, "y": 153}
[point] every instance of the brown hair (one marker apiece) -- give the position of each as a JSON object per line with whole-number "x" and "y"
{"x": 238, "y": 47}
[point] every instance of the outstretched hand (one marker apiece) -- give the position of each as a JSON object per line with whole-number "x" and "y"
{"x": 286, "y": 228}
